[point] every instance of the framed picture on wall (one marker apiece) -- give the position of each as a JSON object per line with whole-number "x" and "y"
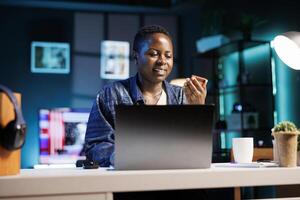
{"x": 114, "y": 60}
{"x": 50, "y": 57}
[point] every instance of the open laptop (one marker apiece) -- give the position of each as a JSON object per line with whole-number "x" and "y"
{"x": 163, "y": 137}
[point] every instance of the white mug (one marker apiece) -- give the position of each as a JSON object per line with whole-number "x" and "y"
{"x": 242, "y": 149}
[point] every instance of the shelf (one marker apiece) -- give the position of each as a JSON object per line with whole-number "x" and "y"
{"x": 231, "y": 47}
{"x": 245, "y": 130}
{"x": 233, "y": 88}
{"x": 249, "y": 91}
{"x": 262, "y": 85}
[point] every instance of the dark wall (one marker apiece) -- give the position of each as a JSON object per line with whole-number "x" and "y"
{"x": 18, "y": 27}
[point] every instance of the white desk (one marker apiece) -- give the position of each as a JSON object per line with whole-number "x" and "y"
{"x": 61, "y": 184}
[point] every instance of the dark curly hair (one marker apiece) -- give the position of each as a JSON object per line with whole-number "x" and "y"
{"x": 145, "y": 31}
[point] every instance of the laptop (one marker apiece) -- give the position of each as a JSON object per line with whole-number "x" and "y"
{"x": 163, "y": 137}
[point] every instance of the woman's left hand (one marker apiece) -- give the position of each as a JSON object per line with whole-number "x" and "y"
{"x": 195, "y": 90}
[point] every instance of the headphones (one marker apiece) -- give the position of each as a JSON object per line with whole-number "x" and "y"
{"x": 12, "y": 136}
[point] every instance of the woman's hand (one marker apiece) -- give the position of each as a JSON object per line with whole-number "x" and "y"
{"x": 195, "y": 90}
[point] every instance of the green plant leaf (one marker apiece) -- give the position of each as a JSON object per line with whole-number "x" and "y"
{"x": 285, "y": 126}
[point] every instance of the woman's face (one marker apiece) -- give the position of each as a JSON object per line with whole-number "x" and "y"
{"x": 155, "y": 58}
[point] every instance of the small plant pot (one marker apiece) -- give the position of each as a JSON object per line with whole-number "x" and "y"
{"x": 298, "y": 158}
{"x": 286, "y": 145}
{"x": 275, "y": 152}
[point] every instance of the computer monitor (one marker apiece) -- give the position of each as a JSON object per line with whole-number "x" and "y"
{"x": 62, "y": 132}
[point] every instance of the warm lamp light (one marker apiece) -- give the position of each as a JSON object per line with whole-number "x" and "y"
{"x": 287, "y": 47}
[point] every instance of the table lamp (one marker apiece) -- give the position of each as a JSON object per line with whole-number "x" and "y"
{"x": 287, "y": 47}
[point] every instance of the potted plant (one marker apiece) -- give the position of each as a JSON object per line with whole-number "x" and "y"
{"x": 286, "y": 141}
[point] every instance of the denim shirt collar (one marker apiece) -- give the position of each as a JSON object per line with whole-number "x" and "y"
{"x": 137, "y": 96}
{"x": 136, "y": 93}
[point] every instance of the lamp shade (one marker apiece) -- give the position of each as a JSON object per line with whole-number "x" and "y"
{"x": 287, "y": 47}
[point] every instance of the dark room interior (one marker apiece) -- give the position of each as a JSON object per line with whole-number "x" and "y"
{"x": 246, "y": 78}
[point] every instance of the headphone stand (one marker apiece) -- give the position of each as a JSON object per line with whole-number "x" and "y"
{"x": 10, "y": 161}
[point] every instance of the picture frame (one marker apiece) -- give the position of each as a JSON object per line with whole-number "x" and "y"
{"x": 114, "y": 59}
{"x": 50, "y": 57}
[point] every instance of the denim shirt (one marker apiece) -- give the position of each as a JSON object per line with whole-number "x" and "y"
{"x": 99, "y": 139}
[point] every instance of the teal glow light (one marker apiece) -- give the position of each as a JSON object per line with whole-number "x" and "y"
{"x": 229, "y": 136}
{"x": 275, "y": 117}
{"x": 228, "y": 96}
{"x": 230, "y": 74}
{"x": 274, "y": 90}
{"x": 283, "y": 92}
{"x": 257, "y": 64}
{"x": 274, "y": 86}
{"x": 221, "y": 97}
{"x": 223, "y": 140}
{"x": 221, "y": 101}
{"x": 272, "y": 44}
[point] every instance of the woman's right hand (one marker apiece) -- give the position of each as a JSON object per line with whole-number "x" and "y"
{"x": 195, "y": 90}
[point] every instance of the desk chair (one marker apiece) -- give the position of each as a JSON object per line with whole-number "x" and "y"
{"x": 258, "y": 154}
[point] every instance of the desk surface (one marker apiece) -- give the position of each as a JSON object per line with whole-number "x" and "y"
{"x": 67, "y": 181}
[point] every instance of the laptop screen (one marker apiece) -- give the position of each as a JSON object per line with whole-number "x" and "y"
{"x": 61, "y": 134}
{"x": 163, "y": 137}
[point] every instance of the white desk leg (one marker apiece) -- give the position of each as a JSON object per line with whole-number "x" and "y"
{"x": 109, "y": 196}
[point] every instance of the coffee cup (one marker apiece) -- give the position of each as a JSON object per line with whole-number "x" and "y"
{"x": 242, "y": 149}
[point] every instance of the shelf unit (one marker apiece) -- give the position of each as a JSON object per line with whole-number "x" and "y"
{"x": 241, "y": 72}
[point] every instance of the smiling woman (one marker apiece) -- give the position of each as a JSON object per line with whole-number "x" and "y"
{"x": 154, "y": 59}
{"x": 153, "y": 55}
